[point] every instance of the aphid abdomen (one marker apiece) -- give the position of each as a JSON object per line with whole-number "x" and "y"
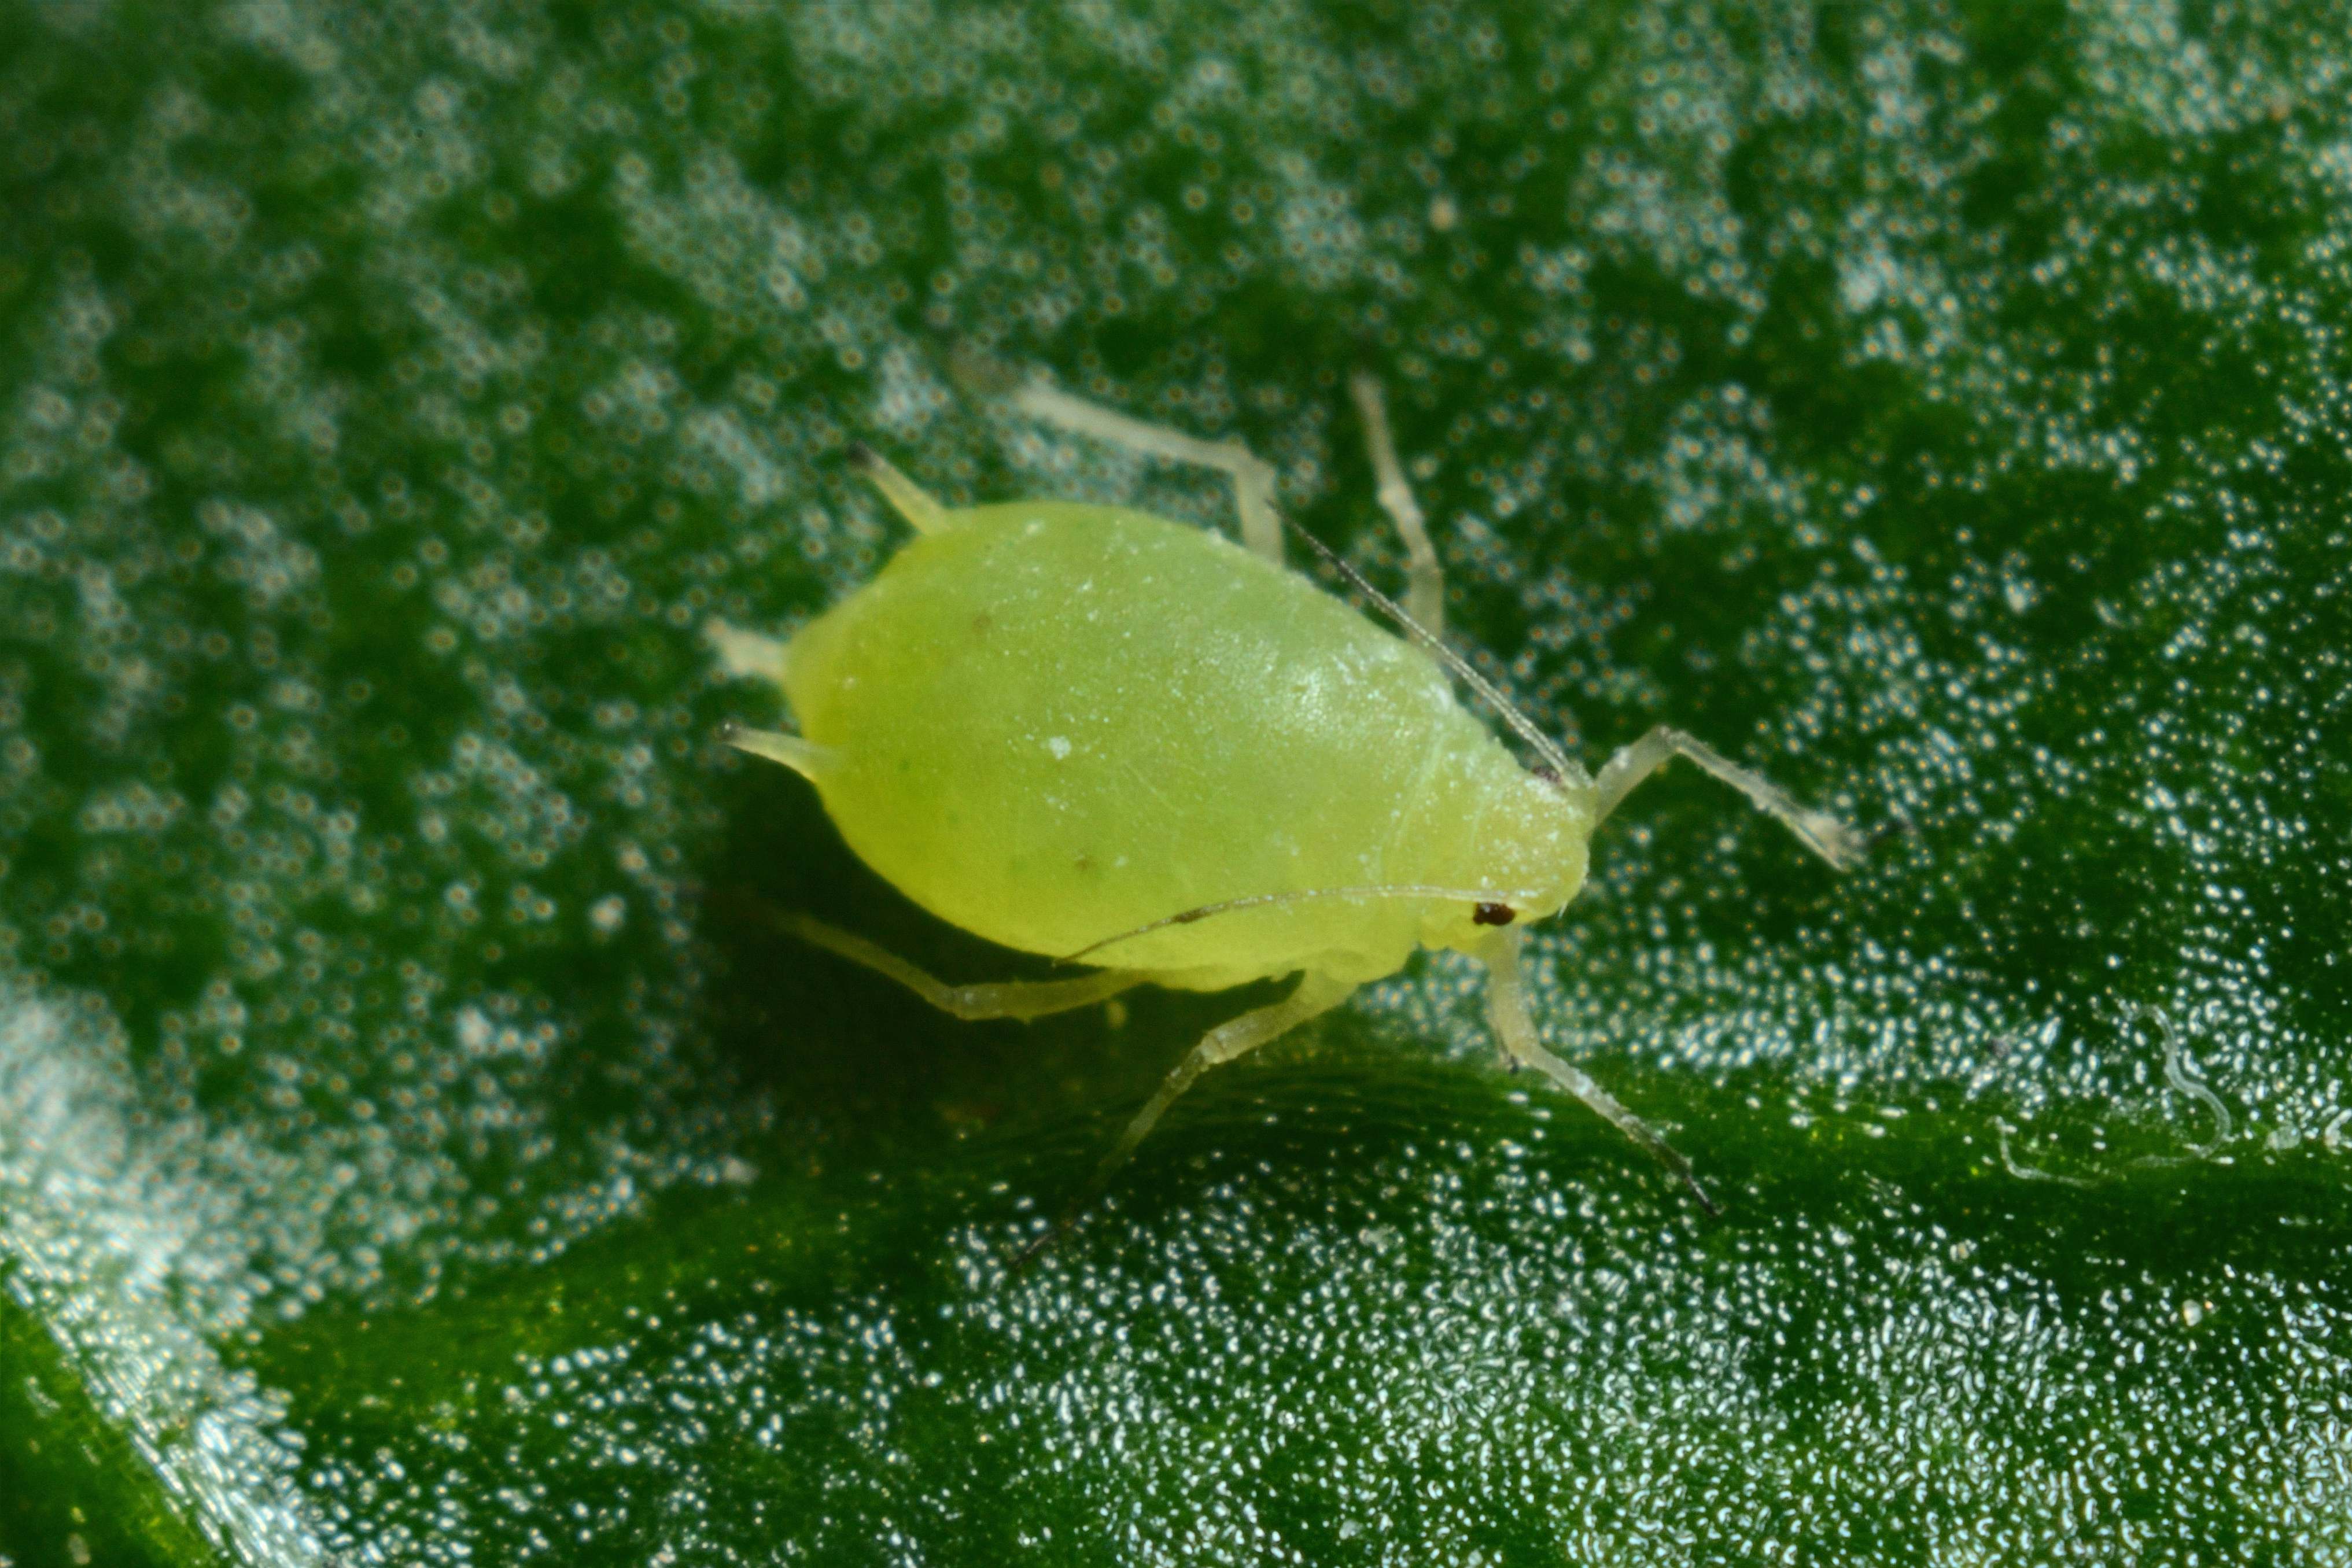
{"x": 1058, "y": 722}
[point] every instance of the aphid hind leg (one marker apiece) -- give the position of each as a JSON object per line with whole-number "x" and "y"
{"x": 1424, "y": 597}
{"x": 909, "y": 499}
{"x": 1252, "y": 476}
{"x": 1507, "y": 1016}
{"x": 1823, "y": 834}
{"x": 1021, "y": 999}
{"x": 744, "y": 654}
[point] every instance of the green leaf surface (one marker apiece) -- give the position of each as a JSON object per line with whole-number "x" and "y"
{"x": 418, "y": 1143}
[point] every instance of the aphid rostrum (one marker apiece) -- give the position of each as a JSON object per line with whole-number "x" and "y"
{"x": 1138, "y": 747}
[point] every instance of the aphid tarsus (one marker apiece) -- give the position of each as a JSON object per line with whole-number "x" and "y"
{"x": 1171, "y": 758}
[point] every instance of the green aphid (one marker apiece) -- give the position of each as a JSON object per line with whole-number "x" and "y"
{"x": 1141, "y": 748}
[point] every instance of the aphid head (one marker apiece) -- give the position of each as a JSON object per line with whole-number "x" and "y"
{"x": 1528, "y": 836}
{"x": 1531, "y": 833}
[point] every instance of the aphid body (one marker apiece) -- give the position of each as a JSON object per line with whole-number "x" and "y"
{"x": 1056, "y": 723}
{"x": 1091, "y": 733}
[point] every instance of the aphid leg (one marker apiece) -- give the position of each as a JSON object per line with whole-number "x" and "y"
{"x": 1021, "y": 999}
{"x": 1315, "y": 994}
{"x": 1252, "y": 477}
{"x": 1823, "y": 834}
{"x": 909, "y": 499}
{"x": 743, "y": 655}
{"x": 1507, "y": 1016}
{"x": 805, "y": 758}
{"x": 1424, "y": 595}
{"x": 1233, "y": 1039}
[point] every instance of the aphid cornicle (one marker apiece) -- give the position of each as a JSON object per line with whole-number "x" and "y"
{"x": 1091, "y": 733}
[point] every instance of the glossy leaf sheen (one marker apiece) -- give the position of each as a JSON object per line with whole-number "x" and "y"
{"x": 417, "y": 1142}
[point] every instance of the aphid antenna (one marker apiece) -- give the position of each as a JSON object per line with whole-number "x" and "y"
{"x": 1506, "y": 898}
{"x": 1567, "y": 768}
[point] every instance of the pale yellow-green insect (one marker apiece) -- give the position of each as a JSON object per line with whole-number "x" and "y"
{"x": 1087, "y": 732}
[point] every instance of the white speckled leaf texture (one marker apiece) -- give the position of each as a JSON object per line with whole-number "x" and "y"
{"x": 421, "y": 1143}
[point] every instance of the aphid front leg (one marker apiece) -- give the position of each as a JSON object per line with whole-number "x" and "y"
{"x": 1424, "y": 595}
{"x": 1021, "y": 999}
{"x": 1252, "y": 476}
{"x": 1507, "y": 1016}
{"x": 1823, "y": 834}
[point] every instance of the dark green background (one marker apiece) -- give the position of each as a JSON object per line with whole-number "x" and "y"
{"x": 416, "y": 1144}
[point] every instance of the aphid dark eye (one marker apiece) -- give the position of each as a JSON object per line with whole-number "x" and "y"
{"x": 1493, "y": 914}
